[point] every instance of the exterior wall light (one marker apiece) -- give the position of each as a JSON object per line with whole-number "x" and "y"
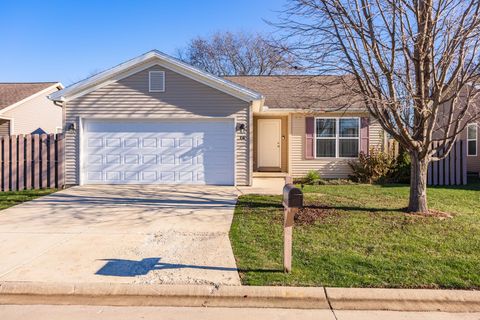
{"x": 241, "y": 128}
{"x": 70, "y": 127}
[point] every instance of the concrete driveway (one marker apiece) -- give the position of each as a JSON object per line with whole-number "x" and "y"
{"x": 129, "y": 234}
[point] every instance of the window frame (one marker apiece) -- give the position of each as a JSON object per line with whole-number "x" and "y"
{"x": 150, "y": 81}
{"x": 337, "y": 137}
{"x": 474, "y": 125}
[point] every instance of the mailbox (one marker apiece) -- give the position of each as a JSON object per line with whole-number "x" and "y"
{"x": 292, "y": 196}
{"x": 292, "y": 202}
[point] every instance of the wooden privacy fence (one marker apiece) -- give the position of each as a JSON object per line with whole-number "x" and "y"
{"x": 452, "y": 170}
{"x": 32, "y": 162}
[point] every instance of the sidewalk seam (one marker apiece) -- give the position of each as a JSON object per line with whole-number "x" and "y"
{"x": 329, "y": 304}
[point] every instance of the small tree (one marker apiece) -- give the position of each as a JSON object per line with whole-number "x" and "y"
{"x": 227, "y": 53}
{"x": 415, "y": 63}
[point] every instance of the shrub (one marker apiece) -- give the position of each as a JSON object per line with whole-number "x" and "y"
{"x": 401, "y": 169}
{"x": 372, "y": 167}
{"x": 312, "y": 177}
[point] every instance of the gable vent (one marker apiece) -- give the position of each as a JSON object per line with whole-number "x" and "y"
{"x": 156, "y": 81}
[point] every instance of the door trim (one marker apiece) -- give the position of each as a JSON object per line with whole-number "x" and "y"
{"x": 259, "y": 152}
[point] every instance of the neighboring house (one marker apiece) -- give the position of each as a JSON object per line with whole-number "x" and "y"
{"x": 25, "y": 108}
{"x": 154, "y": 119}
{"x": 467, "y": 160}
{"x": 472, "y": 138}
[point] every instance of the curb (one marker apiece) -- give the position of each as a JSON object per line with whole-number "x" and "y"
{"x": 111, "y": 294}
{"x": 403, "y": 299}
{"x": 19, "y": 293}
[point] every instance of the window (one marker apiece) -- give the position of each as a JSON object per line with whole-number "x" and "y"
{"x": 472, "y": 139}
{"x": 156, "y": 81}
{"x": 337, "y": 137}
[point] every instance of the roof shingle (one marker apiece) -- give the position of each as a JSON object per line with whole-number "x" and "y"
{"x": 323, "y": 93}
{"x": 11, "y": 93}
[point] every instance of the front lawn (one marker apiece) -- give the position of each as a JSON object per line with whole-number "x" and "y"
{"x": 363, "y": 239}
{"x": 12, "y": 198}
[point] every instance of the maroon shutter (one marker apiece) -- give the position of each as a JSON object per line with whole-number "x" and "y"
{"x": 309, "y": 137}
{"x": 364, "y": 134}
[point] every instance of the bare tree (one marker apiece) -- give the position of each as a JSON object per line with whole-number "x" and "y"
{"x": 226, "y": 53}
{"x": 415, "y": 63}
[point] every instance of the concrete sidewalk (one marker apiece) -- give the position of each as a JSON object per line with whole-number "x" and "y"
{"x": 52, "y": 312}
{"x": 26, "y": 293}
{"x": 270, "y": 186}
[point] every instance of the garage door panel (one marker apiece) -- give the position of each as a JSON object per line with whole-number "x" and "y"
{"x": 167, "y": 176}
{"x": 154, "y": 126}
{"x": 199, "y": 152}
{"x": 131, "y": 142}
{"x": 133, "y": 176}
{"x": 167, "y": 159}
{"x": 132, "y": 158}
{"x": 95, "y": 159}
{"x": 95, "y": 176}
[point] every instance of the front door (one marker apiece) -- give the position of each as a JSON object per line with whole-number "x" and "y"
{"x": 269, "y": 136}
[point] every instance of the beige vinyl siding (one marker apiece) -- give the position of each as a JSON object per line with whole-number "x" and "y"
{"x": 4, "y": 127}
{"x": 331, "y": 167}
{"x": 183, "y": 98}
{"x": 37, "y": 113}
{"x": 376, "y": 135}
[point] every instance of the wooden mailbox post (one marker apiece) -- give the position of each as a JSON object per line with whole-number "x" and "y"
{"x": 292, "y": 202}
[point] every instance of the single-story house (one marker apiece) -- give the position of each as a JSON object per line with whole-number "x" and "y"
{"x": 26, "y": 109}
{"x": 464, "y": 158}
{"x": 155, "y": 119}
{"x": 472, "y": 138}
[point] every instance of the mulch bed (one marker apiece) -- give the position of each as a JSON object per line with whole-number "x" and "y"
{"x": 309, "y": 214}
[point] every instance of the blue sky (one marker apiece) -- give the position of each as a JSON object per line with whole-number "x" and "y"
{"x": 53, "y": 40}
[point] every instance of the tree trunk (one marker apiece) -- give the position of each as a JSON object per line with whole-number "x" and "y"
{"x": 418, "y": 184}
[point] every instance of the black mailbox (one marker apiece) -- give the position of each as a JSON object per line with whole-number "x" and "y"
{"x": 292, "y": 196}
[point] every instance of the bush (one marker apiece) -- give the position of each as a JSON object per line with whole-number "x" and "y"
{"x": 401, "y": 170}
{"x": 312, "y": 177}
{"x": 373, "y": 167}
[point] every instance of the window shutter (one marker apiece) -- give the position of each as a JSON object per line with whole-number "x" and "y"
{"x": 309, "y": 137}
{"x": 364, "y": 134}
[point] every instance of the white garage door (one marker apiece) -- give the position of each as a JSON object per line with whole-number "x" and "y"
{"x": 158, "y": 152}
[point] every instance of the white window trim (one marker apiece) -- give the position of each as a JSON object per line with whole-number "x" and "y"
{"x": 474, "y": 125}
{"x": 337, "y": 137}
{"x": 150, "y": 81}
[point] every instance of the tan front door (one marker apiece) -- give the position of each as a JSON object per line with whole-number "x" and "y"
{"x": 269, "y": 143}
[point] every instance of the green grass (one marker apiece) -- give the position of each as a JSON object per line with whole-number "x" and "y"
{"x": 368, "y": 242}
{"x": 12, "y": 198}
